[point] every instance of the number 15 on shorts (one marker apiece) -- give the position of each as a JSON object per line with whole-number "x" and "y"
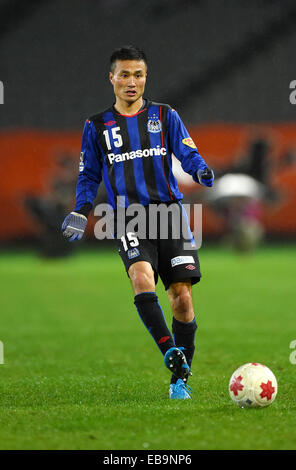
{"x": 129, "y": 241}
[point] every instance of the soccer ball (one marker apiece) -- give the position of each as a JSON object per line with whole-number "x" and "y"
{"x": 253, "y": 385}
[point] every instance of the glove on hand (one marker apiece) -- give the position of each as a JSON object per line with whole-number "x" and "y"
{"x": 206, "y": 177}
{"x": 73, "y": 226}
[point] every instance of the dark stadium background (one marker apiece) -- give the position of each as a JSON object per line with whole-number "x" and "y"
{"x": 225, "y": 66}
{"x": 228, "y": 68}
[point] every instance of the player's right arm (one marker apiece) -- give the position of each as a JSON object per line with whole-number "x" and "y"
{"x": 89, "y": 178}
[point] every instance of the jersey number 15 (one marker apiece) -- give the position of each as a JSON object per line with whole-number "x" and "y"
{"x": 116, "y": 137}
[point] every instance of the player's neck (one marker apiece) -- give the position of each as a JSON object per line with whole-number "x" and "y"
{"x": 128, "y": 108}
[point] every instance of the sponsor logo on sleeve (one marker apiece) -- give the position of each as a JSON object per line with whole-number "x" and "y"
{"x": 81, "y": 163}
{"x": 189, "y": 142}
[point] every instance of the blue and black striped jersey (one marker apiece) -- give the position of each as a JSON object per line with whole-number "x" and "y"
{"x": 133, "y": 156}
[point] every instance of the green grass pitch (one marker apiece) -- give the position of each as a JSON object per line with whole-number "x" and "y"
{"x": 81, "y": 371}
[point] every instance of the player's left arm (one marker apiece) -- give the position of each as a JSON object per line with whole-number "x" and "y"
{"x": 185, "y": 150}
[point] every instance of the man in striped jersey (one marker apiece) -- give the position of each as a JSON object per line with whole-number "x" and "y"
{"x": 130, "y": 147}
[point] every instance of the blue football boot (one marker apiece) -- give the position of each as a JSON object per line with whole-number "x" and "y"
{"x": 180, "y": 390}
{"x": 175, "y": 361}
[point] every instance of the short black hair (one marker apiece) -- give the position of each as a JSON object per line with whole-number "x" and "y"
{"x": 127, "y": 53}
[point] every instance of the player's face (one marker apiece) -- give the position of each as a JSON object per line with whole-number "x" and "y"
{"x": 128, "y": 79}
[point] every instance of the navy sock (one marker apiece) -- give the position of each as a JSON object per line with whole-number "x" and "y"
{"x": 152, "y": 316}
{"x": 184, "y": 335}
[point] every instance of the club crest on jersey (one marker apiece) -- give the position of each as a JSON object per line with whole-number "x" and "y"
{"x": 81, "y": 163}
{"x": 188, "y": 141}
{"x": 154, "y": 124}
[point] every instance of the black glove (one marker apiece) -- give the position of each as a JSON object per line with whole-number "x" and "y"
{"x": 206, "y": 177}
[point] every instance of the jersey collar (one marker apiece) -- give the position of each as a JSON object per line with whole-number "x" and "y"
{"x": 141, "y": 110}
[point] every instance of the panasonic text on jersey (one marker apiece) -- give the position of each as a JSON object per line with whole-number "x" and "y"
{"x": 122, "y": 157}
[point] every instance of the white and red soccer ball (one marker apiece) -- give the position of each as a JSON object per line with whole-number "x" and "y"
{"x": 253, "y": 385}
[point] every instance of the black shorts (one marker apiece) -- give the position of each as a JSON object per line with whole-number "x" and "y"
{"x": 171, "y": 251}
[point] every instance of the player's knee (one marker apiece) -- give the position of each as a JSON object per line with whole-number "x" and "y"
{"x": 142, "y": 279}
{"x": 143, "y": 282}
{"x": 181, "y": 301}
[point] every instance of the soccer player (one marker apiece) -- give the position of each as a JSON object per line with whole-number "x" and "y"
{"x": 130, "y": 147}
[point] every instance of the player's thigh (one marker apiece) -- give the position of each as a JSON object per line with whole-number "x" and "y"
{"x": 140, "y": 259}
{"x": 178, "y": 264}
{"x": 178, "y": 257}
{"x": 141, "y": 275}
